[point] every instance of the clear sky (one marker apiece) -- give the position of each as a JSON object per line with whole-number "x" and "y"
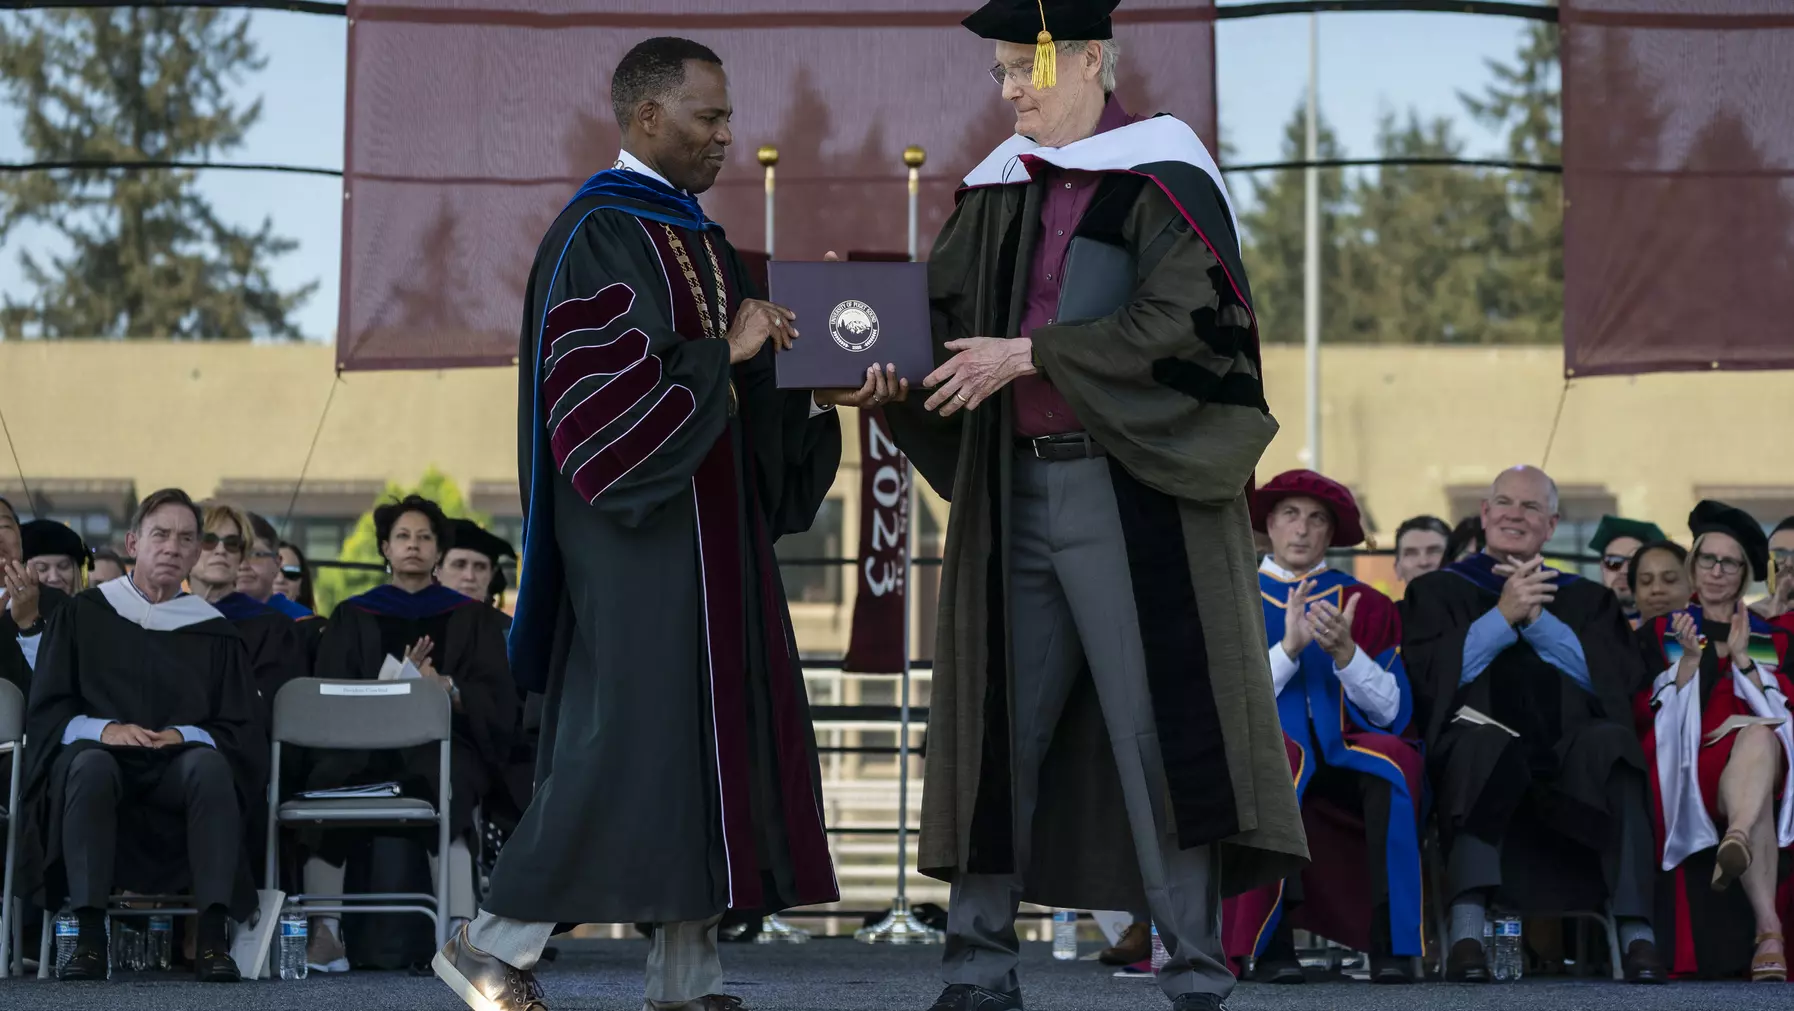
{"x": 1370, "y": 62}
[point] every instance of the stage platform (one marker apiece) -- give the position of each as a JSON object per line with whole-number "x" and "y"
{"x": 840, "y": 975}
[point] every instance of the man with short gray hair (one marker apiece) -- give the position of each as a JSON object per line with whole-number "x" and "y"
{"x": 1523, "y": 678}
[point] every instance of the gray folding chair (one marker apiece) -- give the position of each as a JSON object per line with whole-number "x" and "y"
{"x": 12, "y": 740}
{"x": 363, "y": 716}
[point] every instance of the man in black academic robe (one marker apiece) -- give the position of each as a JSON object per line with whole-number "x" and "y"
{"x": 1522, "y": 679}
{"x": 677, "y": 774}
{"x": 144, "y": 752}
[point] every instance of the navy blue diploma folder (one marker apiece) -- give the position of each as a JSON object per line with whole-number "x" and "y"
{"x": 850, "y": 316}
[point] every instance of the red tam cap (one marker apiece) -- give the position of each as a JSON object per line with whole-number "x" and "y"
{"x": 1348, "y": 528}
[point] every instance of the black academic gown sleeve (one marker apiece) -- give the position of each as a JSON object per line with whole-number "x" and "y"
{"x": 1437, "y": 618}
{"x": 488, "y": 718}
{"x": 632, "y": 406}
{"x": 277, "y": 655}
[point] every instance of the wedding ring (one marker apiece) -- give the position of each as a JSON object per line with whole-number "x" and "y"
{"x": 962, "y": 398}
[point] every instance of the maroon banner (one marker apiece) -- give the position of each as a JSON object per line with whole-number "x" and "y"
{"x": 882, "y": 575}
{"x": 1678, "y": 164}
{"x": 470, "y": 124}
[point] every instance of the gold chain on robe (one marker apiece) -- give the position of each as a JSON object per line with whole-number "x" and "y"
{"x": 719, "y": 329}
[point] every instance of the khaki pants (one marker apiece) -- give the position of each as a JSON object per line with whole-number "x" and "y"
{"x": 683, "y": 964}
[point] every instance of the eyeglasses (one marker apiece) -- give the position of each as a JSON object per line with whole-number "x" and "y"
{"x": 232, "y": 543}
{"x": 264, "y": 554}
{"x": 1782, "y": 556}
{"x": 1023, "y": 75}
{"x": 1726, "y": 566}
{"x": 1614, "y": 563}
{"x": 292, "y": 571}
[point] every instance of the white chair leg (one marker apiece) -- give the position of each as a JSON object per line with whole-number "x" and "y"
{"x": 1612, "y": 927}
{"x": 45, "y": 963}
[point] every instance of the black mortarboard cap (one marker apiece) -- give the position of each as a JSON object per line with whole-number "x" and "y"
{"x": 1612, "y": 527}
{"x": 473, "y": 537}
{"x": 1041, "y": 22}
{"x": 1022, "y": 21}
{"x": 1717, "y": 517}
{"x": 48, "y": 537}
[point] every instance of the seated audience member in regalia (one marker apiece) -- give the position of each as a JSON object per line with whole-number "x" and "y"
{"x": 144, "y": 752}
{"x": 56, "y": 555}
{"x": 294, "y": 580}
{"x": 258, "y": 579}
{"x": 1616, "y": 540}
{"x": 454, "y": 642}
{"x": 1344, "y": 701}
{"x": 41, "y": 565}
{"x": 1716, "y": 731}
{"x": 1523, "y": 680}
{"x": 105, "y": 566}
{"x": 1658, "y": 578}
{"x": 276, "y": 652}
{"x": 472, "y": 564}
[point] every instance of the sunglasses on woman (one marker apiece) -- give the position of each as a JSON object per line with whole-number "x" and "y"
{"x": 1614, "y": 563}
{"x": 232, "y": 543}
{"x": 292, "y": 571}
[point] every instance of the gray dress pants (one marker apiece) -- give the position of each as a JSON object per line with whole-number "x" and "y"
{"x": 1071, "y": 599}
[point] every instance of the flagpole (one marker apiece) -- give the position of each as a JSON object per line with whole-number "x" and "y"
{"x": 900, "y": 926}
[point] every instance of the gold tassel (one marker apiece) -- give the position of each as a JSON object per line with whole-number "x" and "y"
{"x": 1046, "y": 63}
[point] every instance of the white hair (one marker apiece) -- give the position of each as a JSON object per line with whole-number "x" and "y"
{"x": 1111, "y": 51}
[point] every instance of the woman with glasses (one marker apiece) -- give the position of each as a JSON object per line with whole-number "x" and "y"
{"x": 276, "y": 652}
{"x": 448, "y": 639}
{"x": 1715, "y": 728}
{"x": 1657, "y": 575}
{"x": 1781, "y": 572}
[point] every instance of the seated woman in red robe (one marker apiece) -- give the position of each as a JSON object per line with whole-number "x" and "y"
{"x": 1716, "y": 730}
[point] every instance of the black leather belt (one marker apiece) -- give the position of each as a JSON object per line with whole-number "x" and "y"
{"x": 1059, "y": 448}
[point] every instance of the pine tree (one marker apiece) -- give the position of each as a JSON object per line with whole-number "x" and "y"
{"x": 147, "y": 254}
{"x": 1274, "y": 238}
{"x": 1526, "y": 98}
{"x": 333, "y": 586}
{"x": 1423, "y": 243}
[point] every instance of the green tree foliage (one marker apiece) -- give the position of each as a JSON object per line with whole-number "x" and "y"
{"x": 333, "y": 586}
{"x": 1421, "y": 253}
{"x": 146, "y": 255}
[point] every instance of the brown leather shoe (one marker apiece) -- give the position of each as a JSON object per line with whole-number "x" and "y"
{"x": 1135, "y": 946}
{"x": 484, "y": 982}
{"x": 1642, "y": 964}
{"x": 1467, "y": 962}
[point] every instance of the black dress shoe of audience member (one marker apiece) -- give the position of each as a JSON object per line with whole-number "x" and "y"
{"x": 85, "y": 963}
{"x": 484, "y": 982}
{"x": 1279, "y": 971}
{"x": 214, "y": 965}
{"x": 1198, "y": 1002}
{"x": 966, "y": 997}
{"x": 1390, "y": 969}
{"x": 1642, "y": 964}
{"x": 1466, "y": 962}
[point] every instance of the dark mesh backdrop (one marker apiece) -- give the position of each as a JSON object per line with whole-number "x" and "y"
{"x": 1679, "y": 185}
{"x": 470, "y": 125}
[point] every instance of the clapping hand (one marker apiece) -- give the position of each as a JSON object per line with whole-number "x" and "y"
{"x": 1529, "y": 587}
{"x": 1298, "y": 627}
{"x": 21, "y": 593}
{"x": 1689, "y": 638}
{"x": 419, "y": 656}
{"x": 1333, "y": 630}
{"x": 1737, "y": 640}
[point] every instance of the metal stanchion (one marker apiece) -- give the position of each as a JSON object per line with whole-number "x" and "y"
{"x": 900, "y": 926}
{"x": 769, "y": 158}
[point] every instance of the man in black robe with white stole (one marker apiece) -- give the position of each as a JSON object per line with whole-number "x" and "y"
{"x": 1523, "y": 678}
{"x": 677, "y": 773}
{"x": 144, "y": 751}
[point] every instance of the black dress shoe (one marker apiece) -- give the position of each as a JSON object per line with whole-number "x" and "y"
{"x": 1467, "y": 963}
{"x": 966, "y": 997}
{"x": 1392, "y": 969}
{"x": 214, "y": 965}
{"x": 1279, "y": 971}
{"x": 485, "y": 982}
{"x": 84, "y": 963}
{"x": 1642, "y": 964}
{"x": 1198, "y": 1002}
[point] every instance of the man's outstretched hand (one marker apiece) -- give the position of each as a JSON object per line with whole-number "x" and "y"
{"x": 881, "y": 387}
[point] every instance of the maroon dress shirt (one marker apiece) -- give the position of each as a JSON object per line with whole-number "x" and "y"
{"x": 1039, "y": 408}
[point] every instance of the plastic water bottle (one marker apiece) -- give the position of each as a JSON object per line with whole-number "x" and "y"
{"x": 159, "y": 943}
{"x": 127, "y": 946}
{"x": 293, "y": 937}
{"x": 68, "y": 929}
{"x": 1509, "y": 958}
{"x": 1159, "y": 955}
{"x": 1065, "y": 935}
